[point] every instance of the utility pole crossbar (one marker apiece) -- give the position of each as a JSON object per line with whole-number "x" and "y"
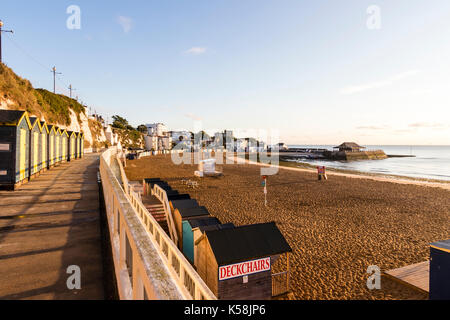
{"x": 71, "y": 89}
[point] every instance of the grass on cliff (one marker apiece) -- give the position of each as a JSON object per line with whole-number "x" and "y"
{"x": 55, "y": 108}
{"x": 130, "y": 138}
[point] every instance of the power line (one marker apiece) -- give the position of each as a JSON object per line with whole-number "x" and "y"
{"x": 27, "y": 54}
{"x": 31, "y": 57}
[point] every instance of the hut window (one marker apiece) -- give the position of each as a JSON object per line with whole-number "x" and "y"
{"x": 4, "y": 146}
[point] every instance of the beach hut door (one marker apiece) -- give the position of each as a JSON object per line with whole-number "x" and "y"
{"x": 23, "y": 150}
{"x": 35, "y": 151}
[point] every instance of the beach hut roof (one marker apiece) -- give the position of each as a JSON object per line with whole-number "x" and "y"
{"x": 35, "y": 122}
{"x": 51, "y": 127}
{"x": 199, "y": 222}
{"x": 247, "y": 242}
{"x": 442, "y": 245}
{"x": 350, "y": 145}
{"x": 216, "y": 227}
{"x": 186, "y": 212}
{"x": 12, "y": 117}
{"x": 187, "y": 203}
{"x": 44, "y": 125}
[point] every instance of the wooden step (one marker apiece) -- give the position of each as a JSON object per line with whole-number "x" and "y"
{"x": 154, "y": 206}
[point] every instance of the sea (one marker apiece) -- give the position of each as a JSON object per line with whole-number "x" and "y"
{"x": 429, "y": 162}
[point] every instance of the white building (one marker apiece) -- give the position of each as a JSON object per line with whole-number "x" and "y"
{"x": 156, "y": 129}
{"x": 151, "y": 143}
{"x": 156, "y": 143}
{"x": 165, "y": 143}
{"x": 176, "y": 135}
{"x": 111, "y": 137}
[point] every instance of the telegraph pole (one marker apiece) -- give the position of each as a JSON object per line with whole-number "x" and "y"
{"x": 1, "y": 31}
{"x": 54, "y": 78}
{"x": 71, "y": 89}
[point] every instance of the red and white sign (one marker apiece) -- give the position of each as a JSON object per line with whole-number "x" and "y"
{"x": 244, "y": 268}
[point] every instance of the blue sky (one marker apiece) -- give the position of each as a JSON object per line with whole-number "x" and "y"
{"x": 311, "y": 69}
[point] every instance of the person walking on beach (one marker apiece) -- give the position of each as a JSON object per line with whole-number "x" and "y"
{"x": 321, "y": 172}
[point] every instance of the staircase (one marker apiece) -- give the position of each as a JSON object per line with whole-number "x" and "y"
{"x": 156, "y": 209}
{"x": 153, "y": 205}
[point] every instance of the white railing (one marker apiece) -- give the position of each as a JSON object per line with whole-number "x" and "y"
{"x": 147, "y": 264}
{"x": 161, "y": 195}
{"x": 144, "y": 154}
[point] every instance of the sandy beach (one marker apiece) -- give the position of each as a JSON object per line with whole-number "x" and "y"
{"x": 337, "y": 228}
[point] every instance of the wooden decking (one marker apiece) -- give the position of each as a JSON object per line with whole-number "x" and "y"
{"x": 47, "y": 225}
{"x": 416, "y": 276}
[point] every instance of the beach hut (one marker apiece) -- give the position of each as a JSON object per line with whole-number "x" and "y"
{"x": 14, "y": 153}
{"x": 182, "y": 213}
{"x": 72, "y": 145}
{"x": 174, "y": 195}
{"x": 44, "y": 146}
{"x": 81, "y": 144}
{"x": 188, "y": 227}
{"x": 57, "y": 145}
{"x": 440, "y": 270}
{"x": 34, "y": 147}
{"x": 51, "y": 142}
{"x": 64, "y": 145}
{"x": 236, "y": 263}
{"x": 78, "y": 146}
{"x": 184, "y": 204}
{"x": 200, "y": 230}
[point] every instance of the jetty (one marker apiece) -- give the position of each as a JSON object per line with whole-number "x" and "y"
{"x": 347, "y": 151}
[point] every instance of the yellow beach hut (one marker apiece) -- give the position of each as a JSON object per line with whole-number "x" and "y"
{"x": 44, "y": 146}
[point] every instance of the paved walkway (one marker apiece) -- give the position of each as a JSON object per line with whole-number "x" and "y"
{"x": 46, "y": 226}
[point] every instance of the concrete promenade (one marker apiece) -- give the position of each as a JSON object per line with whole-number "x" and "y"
{"x": 46, "y": 226}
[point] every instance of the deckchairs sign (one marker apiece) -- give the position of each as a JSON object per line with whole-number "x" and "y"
{"x": 244, "y": 268}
